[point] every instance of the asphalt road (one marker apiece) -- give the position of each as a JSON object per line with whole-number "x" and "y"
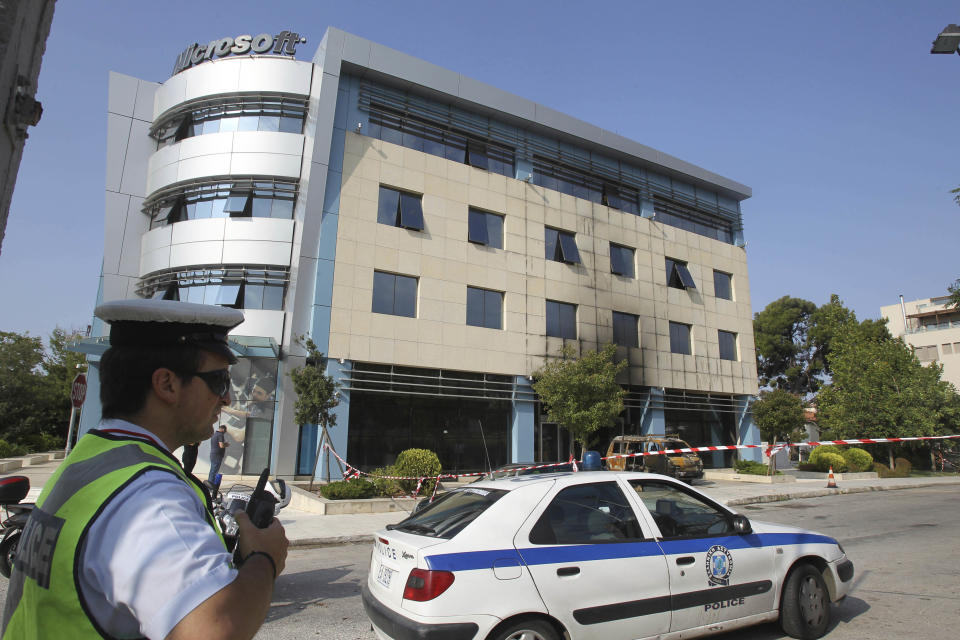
{"x": 905, "y": 544}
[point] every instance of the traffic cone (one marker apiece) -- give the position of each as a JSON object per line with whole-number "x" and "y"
{"x": 831, "y": 482}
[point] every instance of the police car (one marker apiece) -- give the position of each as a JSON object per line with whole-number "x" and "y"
{"x": 605, "y": 555}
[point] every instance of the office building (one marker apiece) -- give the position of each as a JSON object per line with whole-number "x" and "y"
{"x": 437, "y": 237}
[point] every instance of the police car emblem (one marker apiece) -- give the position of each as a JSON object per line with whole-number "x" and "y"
{"x": 719, "y": 565}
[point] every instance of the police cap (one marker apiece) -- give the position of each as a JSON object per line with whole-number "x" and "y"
{"x": 162, "y": 323}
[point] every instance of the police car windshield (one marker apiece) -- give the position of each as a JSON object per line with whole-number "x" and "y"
{"x": 450, "y": 514}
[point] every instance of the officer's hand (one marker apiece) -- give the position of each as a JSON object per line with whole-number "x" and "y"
{"x": 272, "y": 540}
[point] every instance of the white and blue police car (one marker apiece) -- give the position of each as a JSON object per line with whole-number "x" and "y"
{"x": 595, "y": 555}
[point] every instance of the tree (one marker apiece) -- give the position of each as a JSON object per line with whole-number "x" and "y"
{"x": 793, "y": 338}
{"x": 25, "y": 392}
{"x": 62, "y": 367}
{"x": 582, "y": 394}
{"x": 880, "y": 390}
{"x": 954, "y": 291}
{"x": 784, "y": 353}
{"x": 779, "y": 416}
{"x": 317, "y": 395}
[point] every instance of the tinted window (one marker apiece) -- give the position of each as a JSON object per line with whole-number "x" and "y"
{"x": 625, "y": 329}
{"x": 485, "y": 228}
{"x": 678, "y": 276}
{"x": 560, "y": 246}
{"x": 679, "y": 338}
{"x": 561, "y": 320}
{"x": 679, "y": 514}
{"x": 449, "y": 514}
{"x": 621, "y": 260}
{"x": 394, "y": 294}
{"x": 728, "y": 345}
{"x": 587, "y": 514}
{"x": 722, "y": 285}
{"x": 484, "y": 308}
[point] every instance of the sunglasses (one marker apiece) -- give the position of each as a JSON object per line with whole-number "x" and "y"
{"x": 217, "y": 380}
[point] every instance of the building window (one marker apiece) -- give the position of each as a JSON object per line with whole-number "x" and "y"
{"x": 484, "y": 308}
{"x": 680, "y": 338}
{"x": 238, "y": 199}
{"x": 621, "y": 261}
{"x": 625, "y": 329}
{"x": 394, "y": 295}
{"x": 927, "y": 353}
{"x": 561, "y": 246}
{"x": 728, "y": 345}
{"x": 237, "y": 114}
{"x": 722, "y": 285}
{"x": 439, "y": 139}
{"x": 551, "y": 174}
{"x": 238, "y": 287}
{"x": 561, "y": 320}
{"x": 400, "y": 209}
{"x": 678, "y": 276}
{"x": 485, "y": 228}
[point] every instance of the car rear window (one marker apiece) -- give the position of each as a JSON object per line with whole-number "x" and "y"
{"x": 449, "y": 514}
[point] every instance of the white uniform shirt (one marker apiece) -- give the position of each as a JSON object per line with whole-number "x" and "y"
{"x": 151, "y": 557}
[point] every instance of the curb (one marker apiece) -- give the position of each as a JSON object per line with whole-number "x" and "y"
{"x": 333, "y": 541}
{"x": 819, "y": 493}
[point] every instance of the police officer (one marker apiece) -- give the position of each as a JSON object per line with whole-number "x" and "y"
{"x": 122, "y": 543}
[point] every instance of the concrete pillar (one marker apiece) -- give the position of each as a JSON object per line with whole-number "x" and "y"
{"x": 338, "y": 432}
{"x": 747, "y": 431}
{"x": 522, "y": 421}
{"x": 654, "y": 422}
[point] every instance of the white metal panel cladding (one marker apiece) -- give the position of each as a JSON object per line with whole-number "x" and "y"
{"x": 154, "y": 260}
{"x": 196, "y": 253}
{"x": 255, "y": 252}
{"x": 197, "y": 230}
{"x": 231, "y": 76}
{"x": 258, "y": 229}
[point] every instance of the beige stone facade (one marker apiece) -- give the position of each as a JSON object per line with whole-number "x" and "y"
{"x": 932, "y": 329}
{"x": 445, "y": 263}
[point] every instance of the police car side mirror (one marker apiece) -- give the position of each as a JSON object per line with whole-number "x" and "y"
{"x": 741, "y": 525}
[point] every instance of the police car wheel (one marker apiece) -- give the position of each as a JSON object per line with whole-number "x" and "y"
{"x": 527, "y": 630}
{"x": 805, "y": 608}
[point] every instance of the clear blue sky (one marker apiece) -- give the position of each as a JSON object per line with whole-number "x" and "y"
{"x": 835, "y": 113}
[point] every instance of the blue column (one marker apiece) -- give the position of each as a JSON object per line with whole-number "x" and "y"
{"x": 522, "y": 420}
{"x": 90, "y": 412}
{"x": 338, "y": 432}
{"x": 749, "y": 433}
{"x": 654, "y": 422}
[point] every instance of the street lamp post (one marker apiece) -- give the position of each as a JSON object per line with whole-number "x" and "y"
{"x": 948, "y": 41}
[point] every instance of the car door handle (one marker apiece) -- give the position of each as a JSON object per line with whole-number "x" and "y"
{"x": 568, "y": 571}
{"x": 685, "y": 560}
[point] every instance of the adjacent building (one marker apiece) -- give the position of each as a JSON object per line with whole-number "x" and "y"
{"x": 438, "y": 238}
{"x": 24, "y": 27}
{"x": 932, "y": 329}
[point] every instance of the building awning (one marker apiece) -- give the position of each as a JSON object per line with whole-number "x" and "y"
{"x": 935, "y": 312}
{"x": 242, "y": 346}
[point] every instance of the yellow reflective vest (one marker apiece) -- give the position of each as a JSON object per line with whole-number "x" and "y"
{"x": 43, "y": 600}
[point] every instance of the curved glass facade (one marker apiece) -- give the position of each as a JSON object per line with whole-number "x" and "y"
{"x": 254, "y": 113}
{"x": 235, "y": 199}
{"x": 239, "y": 287}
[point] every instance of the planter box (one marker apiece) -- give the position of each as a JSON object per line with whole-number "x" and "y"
{"x": 304, "y": 500}
{"x": 816, "y": 475}
{"x": 733, "y": 476}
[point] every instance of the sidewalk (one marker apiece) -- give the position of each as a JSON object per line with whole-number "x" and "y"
{"x": 308, "y": 529}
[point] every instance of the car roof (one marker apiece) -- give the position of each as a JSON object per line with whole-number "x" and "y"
{"x": 565, "y": 478}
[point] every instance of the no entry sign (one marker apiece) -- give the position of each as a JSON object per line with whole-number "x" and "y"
{"x": 79, "y": 390}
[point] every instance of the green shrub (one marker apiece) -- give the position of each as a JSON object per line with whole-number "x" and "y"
{"x": 417, "y": 463}
{"x": 348, "y": 489}
{"x": 8, "y": 450}
{"x": 751, "y": 467}
{"x": 827, "y": 460}
{"x": 806, "y": 466}
{"x": 385, "y": 486}
{"x": 820, "y": 451}
{"x": 902, "y": 467}
{"x": 858, "y": 459}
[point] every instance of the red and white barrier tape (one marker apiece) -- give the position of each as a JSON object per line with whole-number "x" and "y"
{"x": 354, "y": 472}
